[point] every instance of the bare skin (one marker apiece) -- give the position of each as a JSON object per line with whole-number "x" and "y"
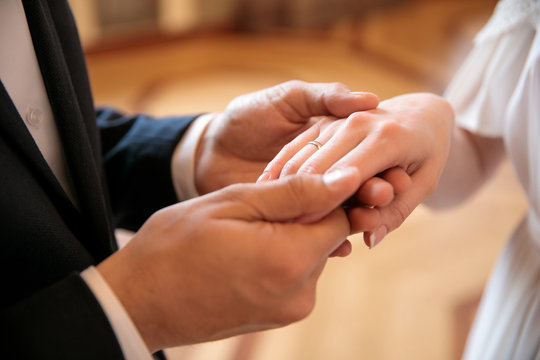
{"x": 410, "y": 132}
{"x": 242, "y": 259}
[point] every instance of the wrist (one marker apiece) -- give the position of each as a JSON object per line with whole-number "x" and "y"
{"x": 130, "y": 340}
{"x": 124, "y": 281}
{"x": 186, "y": 156}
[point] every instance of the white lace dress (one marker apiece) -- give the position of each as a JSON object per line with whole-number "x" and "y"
{"x": 496, "y": 93}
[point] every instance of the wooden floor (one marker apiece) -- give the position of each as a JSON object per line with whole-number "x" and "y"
{"x": 414, "y": 296}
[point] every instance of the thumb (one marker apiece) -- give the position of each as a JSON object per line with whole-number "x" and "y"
{"x": 317, "y": 99}
{"x": 298, "y": 198}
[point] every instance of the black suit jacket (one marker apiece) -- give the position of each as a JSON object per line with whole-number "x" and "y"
{"x": 47, "y": 311}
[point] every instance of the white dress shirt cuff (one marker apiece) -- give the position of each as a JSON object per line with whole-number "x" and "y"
{"x": 131, "y": 342}
{"x": 183, "y": 161}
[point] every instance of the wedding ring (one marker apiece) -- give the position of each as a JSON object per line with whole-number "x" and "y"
{"x": 315, "y": 143}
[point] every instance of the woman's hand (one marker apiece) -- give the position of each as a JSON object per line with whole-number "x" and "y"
{"x": 240, "y": 142}
{"x": 406, "y": 136}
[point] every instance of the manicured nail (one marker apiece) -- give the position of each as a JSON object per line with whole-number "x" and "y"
{"x": 366, "y": 237}
{"x": 377, "y": 236}
{"x": 264, "y": 177}
{"x": 332, "y": 179}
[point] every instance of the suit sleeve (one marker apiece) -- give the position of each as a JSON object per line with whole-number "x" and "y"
{"x": 64, "y": 320}
{"x": 71, "y": 310}
{"x": 137, "y": 152}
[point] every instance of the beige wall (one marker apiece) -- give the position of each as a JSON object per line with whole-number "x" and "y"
{"x": 179, "y": 16}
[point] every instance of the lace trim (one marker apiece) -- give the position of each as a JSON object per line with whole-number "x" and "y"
{"x": 509, "y": 14}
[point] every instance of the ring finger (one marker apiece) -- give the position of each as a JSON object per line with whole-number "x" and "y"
{"x": 275, "y": 167}
{"x": 309, "y": 149}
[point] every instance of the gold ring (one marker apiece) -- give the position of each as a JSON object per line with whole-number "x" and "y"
{"x": 315, "y": 143}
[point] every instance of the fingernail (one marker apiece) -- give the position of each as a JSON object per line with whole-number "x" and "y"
{"x": 377, "y": 236}
{"x": 332, "y": 179}
{"x": 362, "y": 93}
{"x": 264, "y": 177}
{"x": 367, "y": 236}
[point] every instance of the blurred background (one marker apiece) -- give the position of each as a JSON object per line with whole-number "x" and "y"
{"x": 415, "y": 295}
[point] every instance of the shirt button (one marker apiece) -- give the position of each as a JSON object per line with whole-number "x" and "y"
{"x": 34, "y": 117}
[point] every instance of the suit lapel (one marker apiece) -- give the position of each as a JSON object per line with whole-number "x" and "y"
{"x": 17, "y": 134}
{"x": 80, "y": 152}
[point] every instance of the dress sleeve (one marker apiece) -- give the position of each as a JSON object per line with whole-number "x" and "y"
{"x": 482, "y": 88}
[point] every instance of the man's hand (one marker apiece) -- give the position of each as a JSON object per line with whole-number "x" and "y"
{"x": 240, "y": 142}
{"x": 407, "y": 136}
{"x": 241, "y": 259}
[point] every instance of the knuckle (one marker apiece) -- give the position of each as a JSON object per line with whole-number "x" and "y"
{"x": 294, "y": 83}
{"x": 234, "y": 192}
{"x": 287, "y": 153}
{"x": 289, "y": 275}
{"x": 338, "y": 86}
{"x": 161, "y": 217}
{"x": 240, "y": 194}
{"x": 291, "y": 87}
{"x": 398, "y": 213}
{"x": 365, "y": 219}
{"x": 290, "y": 167}
{"x": 296, "y": 188}
{"x": 389, "y": 129}
{"x": 237, "y": 101}
{"x": 300, "y": 191}
{"x": 284, "y": 274}
{"x": 309, "y": 168}
{"x": 358, "y": 121}
{"x": 288, "y": 148}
